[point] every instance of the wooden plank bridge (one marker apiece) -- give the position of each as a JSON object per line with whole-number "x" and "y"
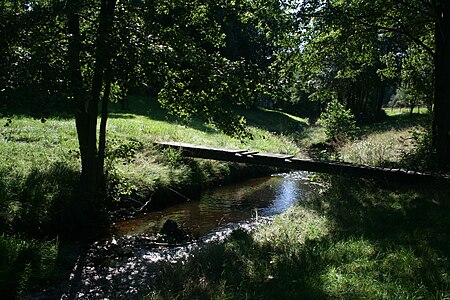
{"x": 298, "y": 163}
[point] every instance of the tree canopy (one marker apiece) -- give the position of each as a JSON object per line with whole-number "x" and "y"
{"x": 204, "y": 58}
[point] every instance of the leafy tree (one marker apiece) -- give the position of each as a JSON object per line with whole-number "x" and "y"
{"x": 339, "y": 123}
{"x": 201, "y": 58}
{"x": 390, "y": 33}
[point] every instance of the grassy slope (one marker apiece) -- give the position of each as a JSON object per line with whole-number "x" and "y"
{"x": 359, "y": 239}
{"x": 39, "y": 167}
{"x": 318, "y": 250}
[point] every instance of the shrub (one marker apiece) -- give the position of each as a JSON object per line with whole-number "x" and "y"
{"x": 423, "y": 155}
{"x": 339, "y": 123}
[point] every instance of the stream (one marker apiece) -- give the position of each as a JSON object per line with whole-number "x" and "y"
{"x": 127, "y": 263}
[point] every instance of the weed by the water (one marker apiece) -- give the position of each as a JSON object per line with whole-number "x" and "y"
{"x": 24, "y": 264}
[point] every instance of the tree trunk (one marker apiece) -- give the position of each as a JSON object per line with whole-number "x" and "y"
{"x": 76, "y": 81}
{"x": 86, "y": 107}
{"x": 102, "y": 135}
{"x": 441, "y": 111}
{"x": 102, "y": 61}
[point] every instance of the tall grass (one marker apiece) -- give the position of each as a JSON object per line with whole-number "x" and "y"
{"x": 385, "y": 143}
{"x": 24, "y": 263}
{"x": 379, "y": 148}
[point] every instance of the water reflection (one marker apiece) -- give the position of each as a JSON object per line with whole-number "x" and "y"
{"x": 124, "y": 266}
{"x": 234, "y": 203}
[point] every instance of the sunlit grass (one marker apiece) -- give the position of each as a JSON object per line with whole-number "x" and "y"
{"x": 405, "y": 111}
{"x": 378, "y": 148}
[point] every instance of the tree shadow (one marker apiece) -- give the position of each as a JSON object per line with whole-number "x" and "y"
{"x": 396, "y": 218}
{"x": 385, "y": 239}
{"x": 397, "y": 122}
{"x": 275, "y": 122}
{"x": 150, "y": 108}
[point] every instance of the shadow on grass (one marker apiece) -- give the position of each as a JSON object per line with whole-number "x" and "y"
{"x": 150, "y": 108}
{"x": 400, "y": 121}
{"x": 406, "y": 227}
{"x": 272, "y": 121}
{"x": 44, "y": 203}
{"x": 41, "y": 216}
{"x": 275, "y": 122}
{"x": 390, "y": 242}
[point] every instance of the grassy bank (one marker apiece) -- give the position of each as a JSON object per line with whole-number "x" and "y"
{"x": 40, "y": 167}
{"x": 358, "y": 239}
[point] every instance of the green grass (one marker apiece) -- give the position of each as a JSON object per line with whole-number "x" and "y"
{"x": 384, "y": 143}
{"x": 358, "y": 239}
{"x": 295, "y": 257}
{"x": 40, "y": 167}
{"x": 40, "y": 161}
{"x": 24, "y": 263}
{"x": 405, "y": 111}
{"x": 355, "y": 241}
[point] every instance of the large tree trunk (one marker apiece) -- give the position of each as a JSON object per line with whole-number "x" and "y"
{"x": 441, "y": 118}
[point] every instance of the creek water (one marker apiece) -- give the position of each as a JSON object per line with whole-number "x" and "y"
{"x": 128, "y": 263}
{"x": 264, "y": 196}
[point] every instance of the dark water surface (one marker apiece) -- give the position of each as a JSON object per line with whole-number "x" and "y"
{"x": 264, "y": 196}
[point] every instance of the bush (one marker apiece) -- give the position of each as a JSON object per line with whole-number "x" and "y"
{"x": 339, "y": 123}
{"x": 423, "y": 155}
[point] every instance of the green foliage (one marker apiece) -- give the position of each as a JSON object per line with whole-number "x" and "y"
{"x": 423, "y": 154}
{"x": 361, "y": 51}
{"x": 172, "y": 156}
{"x": 24, "y": 264}
{"x": 118, "y": 185}
{"x": 339, "y": 122}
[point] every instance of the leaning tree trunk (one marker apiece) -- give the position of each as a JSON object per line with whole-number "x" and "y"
{"x": 441, "y": 111}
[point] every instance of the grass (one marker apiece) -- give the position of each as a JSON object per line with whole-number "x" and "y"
{"x": 356, "y": 241}
{"x": 25, "y": 263}
{"x": 40, "y": 167}
{"x": 405, "y": 111}
{"x": 339, "y": 246}
{"x": 385, "y": 143}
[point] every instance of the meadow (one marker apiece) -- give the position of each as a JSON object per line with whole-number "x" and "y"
{"x": 356, "y": 238}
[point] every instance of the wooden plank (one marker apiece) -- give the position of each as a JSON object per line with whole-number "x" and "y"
{"x": 297, "y": 163}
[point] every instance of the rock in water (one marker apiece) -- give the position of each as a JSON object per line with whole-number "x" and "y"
{"x": 172, "y": 233}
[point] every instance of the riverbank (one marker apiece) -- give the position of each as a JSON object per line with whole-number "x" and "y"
{"x": 38, "y": 198}
{"x": 359, "y": 239}
{"x": 39, "y": 168}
